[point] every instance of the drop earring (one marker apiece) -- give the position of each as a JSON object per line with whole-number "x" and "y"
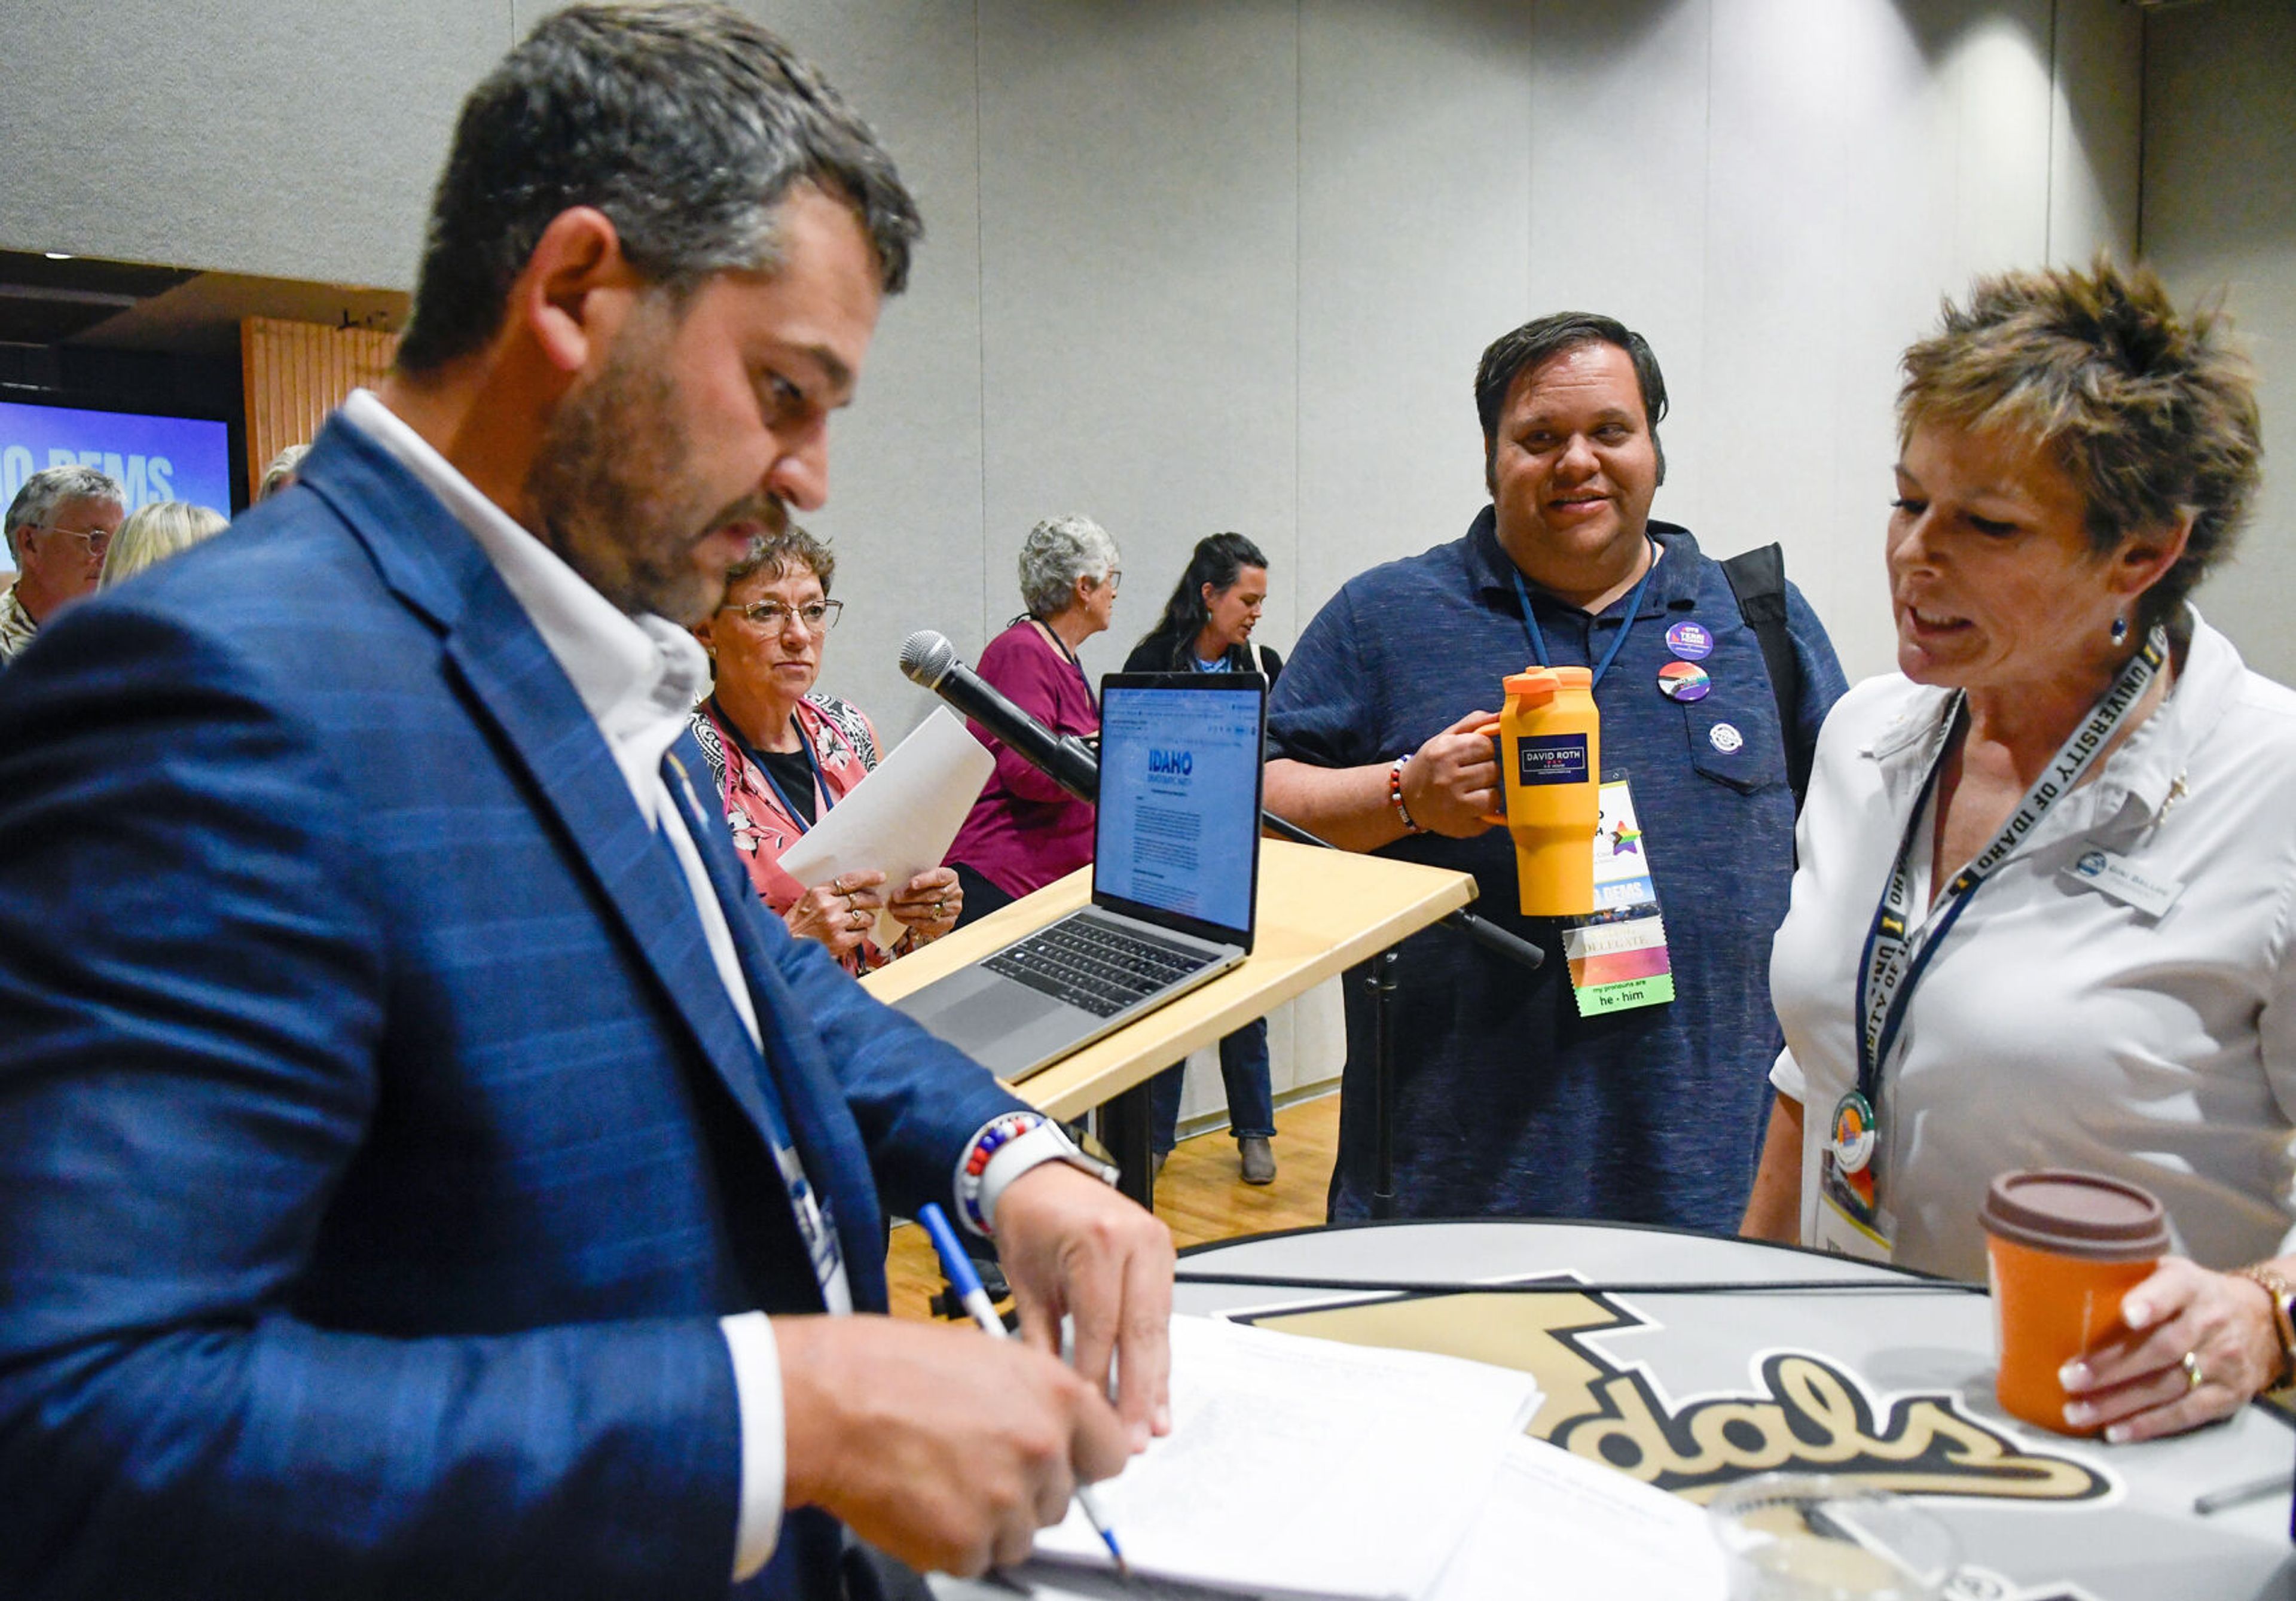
{"x": 2120, "y": 629}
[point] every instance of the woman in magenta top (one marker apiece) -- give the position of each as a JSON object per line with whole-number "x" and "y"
{"x": 1025, "y": 831}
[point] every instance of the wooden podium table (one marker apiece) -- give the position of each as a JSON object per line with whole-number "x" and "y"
{"x": 1320, "y": 912}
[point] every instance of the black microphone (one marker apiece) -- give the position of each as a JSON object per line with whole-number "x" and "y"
{"x": 928, "y": 659}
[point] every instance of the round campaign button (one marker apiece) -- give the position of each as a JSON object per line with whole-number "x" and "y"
{"x": 1725, "y": 738}
{"x": 1690, "y": 640}
{"x": 1682, "y": 681}
{"x": 1853, "y": 1132}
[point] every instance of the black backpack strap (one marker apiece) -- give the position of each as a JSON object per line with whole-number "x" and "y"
{"x": 1757, "y": 578}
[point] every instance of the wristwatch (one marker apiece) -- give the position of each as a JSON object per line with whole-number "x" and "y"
{"x": 2282, "y": 1296}
{"x": 1008, "y": 1147}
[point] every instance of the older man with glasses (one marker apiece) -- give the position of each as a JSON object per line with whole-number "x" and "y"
{"x": 58, "y": 526}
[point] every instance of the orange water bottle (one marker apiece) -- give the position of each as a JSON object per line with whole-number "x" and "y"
{"x": 1550, "y": 762}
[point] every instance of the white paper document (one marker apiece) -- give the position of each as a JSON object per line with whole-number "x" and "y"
{"x": 1564, "y": 1528}
{"x": 902, "y": 818}
{"x": 1299, "y": 1466}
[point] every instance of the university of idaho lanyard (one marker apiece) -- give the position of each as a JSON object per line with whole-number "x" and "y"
{"x": 1626, "y": 625}
{"x": 812, "y": 765}
{"x": 1894, "y": 962}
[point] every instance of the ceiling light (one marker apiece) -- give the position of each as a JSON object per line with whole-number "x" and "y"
{"x": 58, "y": 255}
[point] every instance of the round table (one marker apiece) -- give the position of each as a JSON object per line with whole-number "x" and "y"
{"x": 1691, "y": 1388}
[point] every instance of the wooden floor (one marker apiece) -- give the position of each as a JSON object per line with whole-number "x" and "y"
{"x": 1199, "y": 1197}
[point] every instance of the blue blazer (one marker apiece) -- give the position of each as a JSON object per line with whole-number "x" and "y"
{"x": 378, "y": 1145}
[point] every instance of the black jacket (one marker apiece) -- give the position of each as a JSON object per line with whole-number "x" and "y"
{"x": 1152, "y": 655}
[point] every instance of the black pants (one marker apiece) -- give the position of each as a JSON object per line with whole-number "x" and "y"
{"x": 980, "y": 896}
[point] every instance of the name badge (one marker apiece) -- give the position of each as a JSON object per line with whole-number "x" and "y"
{"x": 1619, "y": 958}
{"x": 1840, "y": 1231}
{"x": 2112, "y": 875}
{"x": 1850, "y": 1220}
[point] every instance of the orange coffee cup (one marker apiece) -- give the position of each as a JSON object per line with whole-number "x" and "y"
{"x": 2064, "y": 1247}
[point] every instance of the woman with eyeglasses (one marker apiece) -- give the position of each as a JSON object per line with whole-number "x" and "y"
{"x": 1025, "y": 831}
{"x": 782, "y": 754}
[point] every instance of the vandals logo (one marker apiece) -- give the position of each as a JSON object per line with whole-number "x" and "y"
{"x": 1806, "y": 1413}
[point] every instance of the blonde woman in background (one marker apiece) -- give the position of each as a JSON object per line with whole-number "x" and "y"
{"x": 281, "y": 472}
{"x": 153, "y": 533}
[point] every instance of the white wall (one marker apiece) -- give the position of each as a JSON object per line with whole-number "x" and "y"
{"x": 2220, "y": 214}
{"x": 1230, "y": 264}
{"x": 292, "y": 138}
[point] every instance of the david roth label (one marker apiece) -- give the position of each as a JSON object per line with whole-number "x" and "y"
{"x": 1551, "y": 759}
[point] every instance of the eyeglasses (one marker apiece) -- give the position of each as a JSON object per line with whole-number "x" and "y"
{"x": 819, "y": 616}
{"x": 95, "y": 541}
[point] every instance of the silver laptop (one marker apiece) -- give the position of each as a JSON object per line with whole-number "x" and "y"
{"x": 1174, "y": 880}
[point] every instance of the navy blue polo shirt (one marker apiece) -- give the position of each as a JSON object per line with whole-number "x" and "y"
{"x": 1508, "y": 1102}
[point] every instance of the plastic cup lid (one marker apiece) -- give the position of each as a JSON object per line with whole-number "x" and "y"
{"x": 1536, "y": 685}
{"x": 2078, "y": 1214}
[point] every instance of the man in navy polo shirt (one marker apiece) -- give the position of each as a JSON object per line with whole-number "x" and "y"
{"x": 1515, "y": 1096}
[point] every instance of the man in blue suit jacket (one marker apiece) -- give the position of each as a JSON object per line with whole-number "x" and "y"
{"x": 422, "y": 1170}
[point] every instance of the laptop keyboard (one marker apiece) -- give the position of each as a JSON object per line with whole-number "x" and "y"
{"x": 1096, "y": 965}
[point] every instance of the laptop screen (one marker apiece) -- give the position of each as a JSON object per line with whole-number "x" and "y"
{"x": 1177, "y": 836}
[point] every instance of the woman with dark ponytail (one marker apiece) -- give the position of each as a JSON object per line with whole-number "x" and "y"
{"x": 1206, "y": 628}
{"x": 1207, "y": 624}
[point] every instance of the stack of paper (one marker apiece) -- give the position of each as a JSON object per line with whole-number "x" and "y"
{"x": 1307, "y": 1468}
{"x": 902, "y": 818}
{"x": 1564, "y": 1528}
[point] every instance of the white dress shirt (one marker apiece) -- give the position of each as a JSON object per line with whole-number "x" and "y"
{"x": 639, "y": 678}
{"x": 2061, "y": 1023}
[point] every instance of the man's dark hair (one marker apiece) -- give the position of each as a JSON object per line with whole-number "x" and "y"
{"x": 1512, "y": 355}
{"x": 684, "y": 123}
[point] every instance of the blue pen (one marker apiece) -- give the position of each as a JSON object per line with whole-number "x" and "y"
{"x": 967, "y": 1285}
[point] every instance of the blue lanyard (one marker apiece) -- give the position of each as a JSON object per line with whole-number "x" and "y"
{"x": 1634, "y": 610}
{"x": 810, "y": 1209}
{"x": 812, "y": 765}
{"x": 1894, "y": 959}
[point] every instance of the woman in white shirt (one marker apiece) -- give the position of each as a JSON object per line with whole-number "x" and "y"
{"x": 2043, "y": 910}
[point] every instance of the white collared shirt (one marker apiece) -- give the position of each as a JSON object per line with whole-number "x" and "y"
{"x": 2060, "y": 1025}
{"x": 638, "y": 677}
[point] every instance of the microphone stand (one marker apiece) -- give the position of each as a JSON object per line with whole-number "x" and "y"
{"x": 1379, "y": 983}
{"x": 928, "y": 661}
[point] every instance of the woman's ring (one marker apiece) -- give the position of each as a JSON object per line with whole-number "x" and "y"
{"x": 2193, "y": 1377}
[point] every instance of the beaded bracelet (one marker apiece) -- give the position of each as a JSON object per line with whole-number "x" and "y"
{"x": 1395, "y": 795}
{"x": 1001, "y": 1132}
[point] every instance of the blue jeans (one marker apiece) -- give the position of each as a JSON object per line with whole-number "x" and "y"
{"x": 1243, "y": 1066}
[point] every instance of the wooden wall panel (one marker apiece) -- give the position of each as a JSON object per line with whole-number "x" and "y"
{"x": 296, "y": 373}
